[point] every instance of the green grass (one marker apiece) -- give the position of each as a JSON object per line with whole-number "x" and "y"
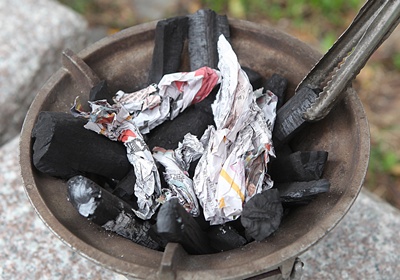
{"x": 384, "y": 160}
{"x": 331, "y": 17}
{"x": 80, "y": 6}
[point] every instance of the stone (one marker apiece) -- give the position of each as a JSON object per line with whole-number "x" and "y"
{"x": 364, "y": 245}
{"x": 29, "y": 249}
{"x": 33, "y": 33}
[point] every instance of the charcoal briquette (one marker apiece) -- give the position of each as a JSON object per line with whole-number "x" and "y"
{"x": 195, "y": 120}
{"x": 205, "y": 27}
{"x": 170, "y": 36}
{"x": 125, "y": 189}
{"x": 298, "y": 166}
{"x": 255, "y": 78}
{"x": 277, "y": 85}
{"x": 174, "y": 224}
{"x": 262, "y": 214}
{"x": 109, "y": 211}
{"x": 293, "y": 192}
{"x": 62, "y": 147}
{"x": 289, "y": 118}
{"x": 224, "y": 238}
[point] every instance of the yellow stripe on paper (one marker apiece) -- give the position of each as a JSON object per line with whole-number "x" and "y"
{"x": 222, "y": 203}
{"x": 234, "y": 186}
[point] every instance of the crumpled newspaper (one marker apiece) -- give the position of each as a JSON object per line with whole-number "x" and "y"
{"x": 151, "y": 106}
{"x": 177, "y": 163}
{"x": 233, "y": 155}
{"x": 138, "y": 112}
{"x": 233, "y": 168}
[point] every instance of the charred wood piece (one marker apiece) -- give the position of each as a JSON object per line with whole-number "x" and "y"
{"x": 299, "y": 166}
{"x": 205, "y": 26}
{"x": 174, "y": 224}
{"x": 289, "y": 118}
{"x": 109, "y": 211}
{"x": 170, "y": 36}
{"x": 62, "y": 147}
{"x": 295, "y": 192}
{"x": 277, "y": 85}
{"x": 262, "y": 214}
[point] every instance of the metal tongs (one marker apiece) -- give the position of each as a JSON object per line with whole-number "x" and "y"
{"x": 336, "y": 70}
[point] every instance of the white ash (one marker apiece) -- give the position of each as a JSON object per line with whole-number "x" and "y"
{"x": 126, "y": 226}
{"x": 83, "y": 196}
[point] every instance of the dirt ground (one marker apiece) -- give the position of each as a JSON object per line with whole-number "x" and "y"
{"x": 377, "y": 84}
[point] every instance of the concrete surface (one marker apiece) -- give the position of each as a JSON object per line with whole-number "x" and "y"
{"x": 33, "y": 33}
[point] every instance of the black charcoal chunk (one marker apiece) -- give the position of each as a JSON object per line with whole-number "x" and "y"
{"x": 282, "y": 151}
{"x": 192, "y": 168}
{"x": 195, "y": 120}
{"x": 262, "y": 214}
{"x": 237, "y": 225}
{"x": 299, "y": 191}
{"x": 201, "y": 221}
{"x": 174, "y": 224}
{"x": 109, "y": 211}
{"x": 256, "y": 80}
{"x": 62, "y": 147}
{"x": 104, "y": 182}
{"x": 289, "y": 118}
{"x": 290, "y": 204}
{"x": 298, "y": 166}
{"x": 277, "y": 85}
{"x": 125, "y": 189}
{"x": 101, "y": 91}
{"x": 205, "y": 27}
{"x": 170, "y": 37}
{"x": 224, "y": 238}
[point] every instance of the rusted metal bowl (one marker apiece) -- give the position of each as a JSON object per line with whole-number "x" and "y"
{"x": 124, "y": 60}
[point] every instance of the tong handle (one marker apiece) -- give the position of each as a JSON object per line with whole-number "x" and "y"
{"x": 370, "y": 28}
